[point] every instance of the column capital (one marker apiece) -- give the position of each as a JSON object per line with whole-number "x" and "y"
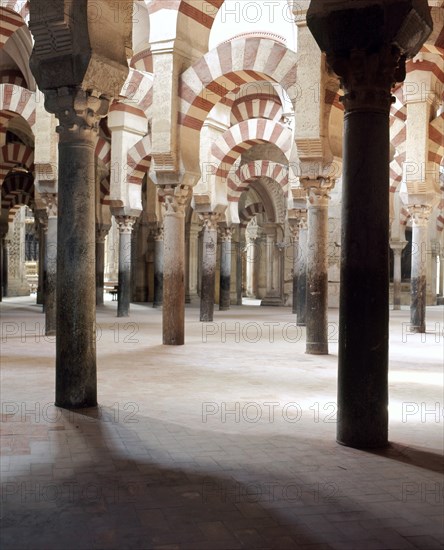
{"x": 398, "y": 246}
{"x": 368, "y": 78}
{"x": 79, "y": 112}
{"x": 293, "y": 226}
{"x": 420, "y": 214}
{"x": 317, "y": 190}
{"x": 225, "y": 233}
{"x": 209, "y": 220}
{"x": 157, "y": 233}
{"x": 175, "y": 197}
{"x": 125, "y": 224}
{"x": 50, "y": 199}
{"x": 369, "y": 57}
{"x": 101, "y": 232}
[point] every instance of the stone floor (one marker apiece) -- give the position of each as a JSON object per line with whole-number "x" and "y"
{"x": 225, "y": 443}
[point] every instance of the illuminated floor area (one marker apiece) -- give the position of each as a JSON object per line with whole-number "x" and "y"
{"x": 225, "y": 443}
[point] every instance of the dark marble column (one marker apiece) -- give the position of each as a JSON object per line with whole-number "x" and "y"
{"x": 76, "y": 378}
{"x": 209, "y": 258}
{"x": 125, "y": 224}
{"x": 42, "y": 222}
{"x": 101, "y": 233}
{"x": 317, "y": 265}
{"x": 173, "y": 307}
{"x": 369, "y": 59}
{"x": 225, "y": 268}
{"x": 3, "y": 232}
{"x": 5, "y": 266}
{"x": 239, "y": 274}
{"x": 301, "y": 300}
{"x": 50, "y": 290}
{"x": 397, "y": 247}
{"x": 294, "y": 231}
{"x": 420, "y": 219}
{"x": 158, "y": 267}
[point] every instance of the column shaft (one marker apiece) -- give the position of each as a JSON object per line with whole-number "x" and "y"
{"x": 397, "y": 254}
{"x": 173, "y": 310}
{"x": 225, "y": 271}
{"x": 364, "y": 288}
{"x": 209, "y": 258}
{"x": 100, "y": 270}
{"x": 51, "y": 277}
{"x": 301, "y": 300}
{"x": 419, "y": 269}
{"x": 124, "y": 285}
{"x": 239, "y": 274}
{"x": 158, "y": 268}
{"x": 76, "y": 378}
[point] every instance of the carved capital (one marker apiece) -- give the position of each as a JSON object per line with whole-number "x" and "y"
{"x": 125, "y": 224}
{"x": 225, "y": 233}
{"x": 317, "y": 190}
{"x": 78, "y": 111}
{"x": 157, "y": 233}
{"x": 420, "y": 214}
{"x": 368, "y": 77}
{"x": 294, "y": 229}
{"x": 209, "y": 220}
{"x": 50, "y": 200}
{"x": 101, "y": 232}
{"x": 175, "y": 198}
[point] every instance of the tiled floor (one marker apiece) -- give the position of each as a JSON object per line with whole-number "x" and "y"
{"x": 225, "y": 443}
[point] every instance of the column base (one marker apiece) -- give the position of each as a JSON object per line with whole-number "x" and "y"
{"x": 417, "y": 329}
{"x": 271, "y": 301}
{"x": 68, "y": 405}
{"x": 316, "y": 349}
{"x": 357, "y": 444}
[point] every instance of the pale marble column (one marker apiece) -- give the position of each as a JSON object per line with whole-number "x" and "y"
{"x": 226, "y": 234}
{"x": 209, "y": 259}
{"x": 125, "y": 224}
{"x": 50, "y": 289}
{"x": 420, "y": 219}
{"x": 101, "y": 233}
{"x": 193, "y": 261}
{"x": 294, "y": 231}
{"x": 173, "y": 309}
{"x": 317, "y": 265}
{"x": 301, "y": 300}
{"x": 158, "y": 266}
{"x": 397, "y": 247}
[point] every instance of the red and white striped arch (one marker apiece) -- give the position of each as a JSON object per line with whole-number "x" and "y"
{"x": 398, "y": 134}
{"x": 17, "y": 189}
{"x": 20, "y": 101}
{"x": 13, "y": 16}
{"x": 245, "y": 174}
{"x": 436, "y": 140}
{"x": 241, "y": 137}
{"x": 15, "y": 155}
{"x": 138, "y": 90}
{"x": 195, "y": 18}
{"x": 139, "y": 160}
{"x": 229, "y": 66}
{"x": 248, "y": 213}
{"x": 256, "y": 106}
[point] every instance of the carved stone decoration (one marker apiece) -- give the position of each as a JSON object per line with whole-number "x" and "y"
{"x": 50, "y": 199}
{"x": 125, "y": 224}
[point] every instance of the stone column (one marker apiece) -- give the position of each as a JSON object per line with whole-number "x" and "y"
{"x": 397, "y": 247}
{"x": 3, "y": 232}
{"x": 226, "y": 234}
{"x": 420, "y": 219}
{"x": 5, "y": 265}
{"x": 252, "y": 267}
{"x": 158, "y": 267}
{"x": 101, "y": 233}
{"x": 441, "y": 275}
{"x": 76, "y": 378}
{"x": 42, "y": 222}
{"x": 317, "y": 265}
{"x": 209, "y": 258}
{"x": 125, "y": 224}
{"x": 301, "y": 299}
{"x": 173, "y": 308}
{"x": 50, "y": 289}
{"x": 193, "y": 256}
{"x": 369, "y": 60}
{"x": 294, "y": 231}
{"x": 239, "y": 274}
